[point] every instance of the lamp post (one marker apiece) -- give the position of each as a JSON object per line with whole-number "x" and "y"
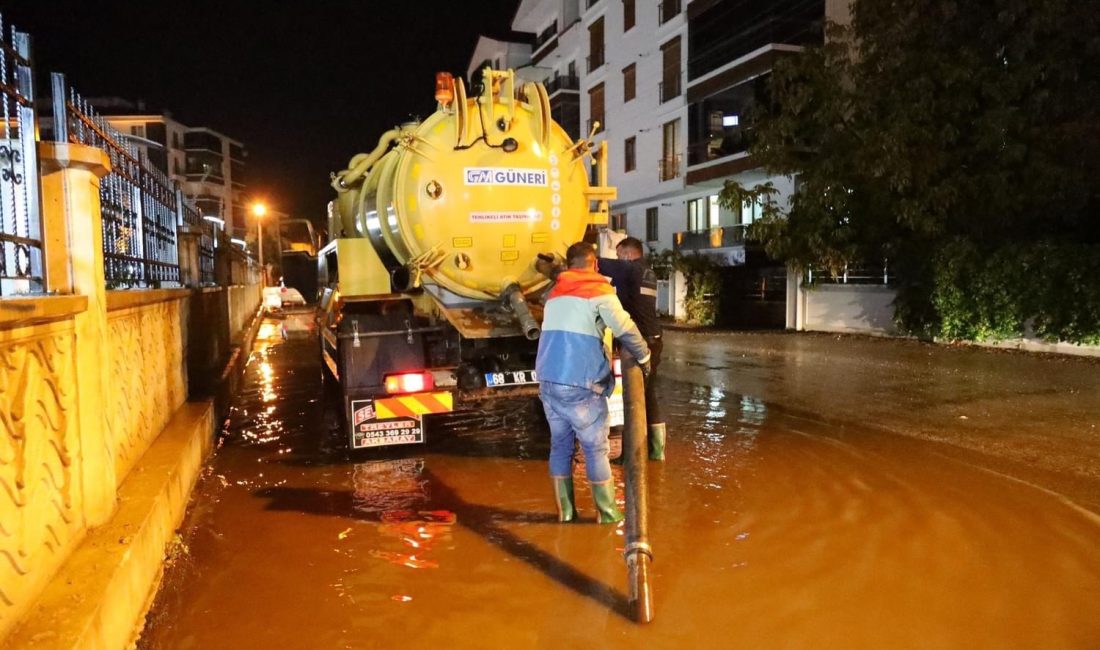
{"x": 258, "y": 211}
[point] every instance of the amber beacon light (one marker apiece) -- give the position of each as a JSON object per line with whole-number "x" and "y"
{"x": 444, "y": 88}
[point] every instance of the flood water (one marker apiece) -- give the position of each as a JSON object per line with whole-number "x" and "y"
{"x": 770, "y": 527}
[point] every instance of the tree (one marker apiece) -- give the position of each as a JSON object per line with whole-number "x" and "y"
{"x": 932, "y": 129}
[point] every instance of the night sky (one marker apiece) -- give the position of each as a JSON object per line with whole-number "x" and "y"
{"x": 304, "y": 86}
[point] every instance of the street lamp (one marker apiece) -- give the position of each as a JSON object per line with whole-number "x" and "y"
{"x": 258, "y": 211}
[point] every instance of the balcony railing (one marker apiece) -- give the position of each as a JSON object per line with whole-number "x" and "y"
{"x": 861, "y": 274}
{"x": 563, "y": 83}
{"x": 595, "y": 60}
{"x": 670, "y": 89}
{"x": 720, "y": 146}
{"x": 669, "y": 168}
{"x": 723, "y": 237}
{"x": 545, "y": 36}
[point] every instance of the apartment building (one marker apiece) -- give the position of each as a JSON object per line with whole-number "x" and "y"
{"x": 209, "y": 166}
{"x": 674, "y": 86}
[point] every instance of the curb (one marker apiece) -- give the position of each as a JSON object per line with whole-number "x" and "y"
{"x": 99, "y": 597}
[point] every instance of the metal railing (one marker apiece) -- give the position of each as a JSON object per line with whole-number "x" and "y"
{"x": 563, "y": 82}
{"x": 139, "y": 204}
{"x": 545, "y": 36}
{"x": 720, "y": 237}
{"x": 669, "y": 168}
{"x": 21, "y": 264}
{"x": 867, "y": 275}
{"x": 193, "y": 219}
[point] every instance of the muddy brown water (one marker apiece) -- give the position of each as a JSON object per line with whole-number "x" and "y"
{"x": 770, "y": 529}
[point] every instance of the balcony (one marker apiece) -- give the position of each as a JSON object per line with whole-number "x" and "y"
{"x": 545, "y": 42}
{"x": 595, "y": 60}
{"x": 670, "y": 88}
{"x": 703, "y": 240}
{"x": 713, "y": 44}
{"x": 563, "y": 83}
{"x": 669, "y": 168}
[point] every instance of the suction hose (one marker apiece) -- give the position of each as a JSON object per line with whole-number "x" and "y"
{"x": 513, "y": 297}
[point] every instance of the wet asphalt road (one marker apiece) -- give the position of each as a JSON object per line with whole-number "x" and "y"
{"x": 819, "y": 493}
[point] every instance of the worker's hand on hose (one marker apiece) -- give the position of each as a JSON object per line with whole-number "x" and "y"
{"x": 547, "y": 265}
{"x": 646, "y": 368}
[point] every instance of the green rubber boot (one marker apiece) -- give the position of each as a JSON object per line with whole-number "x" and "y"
{"x": 563, "y": 496}
{"x": 657, "y": 441}
{"x": 604, "y": 496}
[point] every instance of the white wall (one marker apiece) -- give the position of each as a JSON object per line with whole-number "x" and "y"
{"x": 846, "y": 308}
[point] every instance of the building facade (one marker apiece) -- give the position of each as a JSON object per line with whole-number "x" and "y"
{"x": 673, "y": 87}
{"x": 209, "y": 166}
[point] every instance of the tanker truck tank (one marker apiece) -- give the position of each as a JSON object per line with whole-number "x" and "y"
{"x": 472, "y": 194}
{"x": 437, "y": 230}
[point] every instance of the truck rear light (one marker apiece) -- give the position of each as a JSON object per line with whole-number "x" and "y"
{"x": 409, "y": 382}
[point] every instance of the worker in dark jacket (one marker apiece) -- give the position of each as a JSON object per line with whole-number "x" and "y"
{"x": 636, "y": 285}
{"x": 575, "y": 377}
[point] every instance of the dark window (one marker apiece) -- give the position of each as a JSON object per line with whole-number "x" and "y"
{"x": 595, "y": 107}
{"x": 618, "y": 222}
{"x": 722, "y": 124}
{"x": 595, "y": 45}
{"x": 236, "y": 171}
{"x": 157, "y": 158}
{"x": 156, "y": 132}
{"x": 571, "y": 70}
{"x": 202, "y": 140}
{"x": 204, "y": 165}
{"x": 652, "y": 232}
{"x": 629, "y": 74}
{"x": 668, "y": 10}
{"x": 237, "y": 152}
{"x": 628, "y": 15}
{"x": 670, "y": 155}
{"x": 565, "y": 108}
{"x": 628, "y": 154}
{"x": 730, "y": 29}
{"x": 670, "y": 70}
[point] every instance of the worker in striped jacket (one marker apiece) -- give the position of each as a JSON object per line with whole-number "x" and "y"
{"x": 575, "y": 377}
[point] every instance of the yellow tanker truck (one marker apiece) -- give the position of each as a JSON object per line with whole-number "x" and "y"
{"x": 431, "y": 298}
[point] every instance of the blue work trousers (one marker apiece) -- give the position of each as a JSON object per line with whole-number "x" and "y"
{"x": 577, "y": 414}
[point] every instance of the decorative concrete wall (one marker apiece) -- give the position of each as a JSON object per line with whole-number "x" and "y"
{"x": 89, "y": 381}
{"x": 41, "y": 501}
{"x": 148, "y": 378}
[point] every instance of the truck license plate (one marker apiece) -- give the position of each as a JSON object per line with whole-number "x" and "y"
{"x": 510, "y": 378}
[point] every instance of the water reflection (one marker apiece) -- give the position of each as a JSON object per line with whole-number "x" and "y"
{"x": 769, "y": 531}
